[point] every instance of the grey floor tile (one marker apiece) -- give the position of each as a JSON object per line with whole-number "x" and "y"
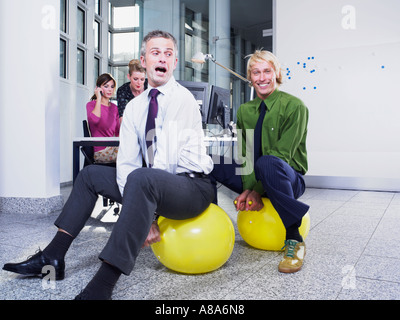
{"x": 347, "y": 224}
{"x": 370, "y": 197}
{"x": 378, "y": 268}
{"x": 352, "y": 253}
{"x": 319, "y": 279}
{"x": 335, "y": 195}
{"x": 369, "y": 289}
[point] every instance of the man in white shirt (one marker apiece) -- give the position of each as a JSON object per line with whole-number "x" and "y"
{"x": 174, "y": 184}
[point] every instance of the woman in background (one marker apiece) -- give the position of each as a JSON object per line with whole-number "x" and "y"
{"x": 103, "y": 117}
{"x": 136, "y": 85}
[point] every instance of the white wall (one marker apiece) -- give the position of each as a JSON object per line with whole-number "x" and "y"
{"x": 29, "y": 95}
{"x": 354, "y": 48}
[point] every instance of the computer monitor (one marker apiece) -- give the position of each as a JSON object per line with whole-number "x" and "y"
{"x": 200, "y": 93}
{"x": 219, "y": 111}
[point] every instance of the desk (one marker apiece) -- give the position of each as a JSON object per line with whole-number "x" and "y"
{"x": 88, "y": 141}
{"x": 114, "y": 141}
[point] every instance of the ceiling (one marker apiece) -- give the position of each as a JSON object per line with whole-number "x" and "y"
{"x": 122, "y": 3}
{"x": 250, "y": 16}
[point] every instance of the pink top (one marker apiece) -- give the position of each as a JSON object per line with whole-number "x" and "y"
{"x": 105, "y": 126}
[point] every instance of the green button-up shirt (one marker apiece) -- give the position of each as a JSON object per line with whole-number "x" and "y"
{"x": 284, "y": 133}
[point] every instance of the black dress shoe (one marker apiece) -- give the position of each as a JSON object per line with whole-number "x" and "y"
{"x": 33, "y": 266}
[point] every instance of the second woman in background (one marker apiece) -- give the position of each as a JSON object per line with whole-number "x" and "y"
{"x": 103, "y": 117}
{"x": 136, "y": 85}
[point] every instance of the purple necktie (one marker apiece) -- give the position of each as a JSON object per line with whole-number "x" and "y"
{"x": 150, "y": 125}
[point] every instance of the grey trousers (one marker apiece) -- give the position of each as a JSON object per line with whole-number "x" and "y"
{"x": 147, "y": 191}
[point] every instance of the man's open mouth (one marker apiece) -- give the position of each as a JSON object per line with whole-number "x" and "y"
{"x": 161, "y": 69}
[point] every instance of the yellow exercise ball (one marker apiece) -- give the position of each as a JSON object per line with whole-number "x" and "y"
{"x": 264, "y": 229}
{"x": 197, "y": 245}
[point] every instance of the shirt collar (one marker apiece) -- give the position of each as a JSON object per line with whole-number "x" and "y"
{"x": 164, "y": 88}
{"x": 270, "y": 101}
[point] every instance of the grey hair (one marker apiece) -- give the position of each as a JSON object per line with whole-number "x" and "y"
{"x": 158, "y": 34}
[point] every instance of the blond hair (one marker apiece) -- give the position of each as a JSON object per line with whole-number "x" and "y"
{"x": 135, "y": 66}
{"x": 264, "y": 55}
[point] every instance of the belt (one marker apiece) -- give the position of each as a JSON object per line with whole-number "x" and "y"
{"x": 193, "y": 174}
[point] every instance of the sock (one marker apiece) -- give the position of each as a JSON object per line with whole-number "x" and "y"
{"x": 59, "y": 246}
{"x": 293, "y": 233}
{"x": 102, "y": 284}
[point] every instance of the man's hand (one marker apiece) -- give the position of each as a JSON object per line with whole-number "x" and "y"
{"x": 240, "y": 201}
{"x": 153, "y": 236}
{"x": 249, "y": 200}
{"x": 254, "y": 201}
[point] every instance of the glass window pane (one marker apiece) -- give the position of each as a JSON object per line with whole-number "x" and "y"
{"x": 81, "y": 25}
{"x": 96, "y": 69}
{"x": 110, "y": 15}
{"x": 97, "y": 7}
{"x": 189, "y": 74}
{"x": 63, "y": 15}
{"x": 119, "y": 74}
{"x": 63, "y": 58}
{"x": 109, "y": 45}
{"x": 96, "y": 31}
{"x": 80, "y": 66}
{"x": 126, "y": 17}
{"x": 125, "y": 46}
{"x": 188, "y": 47}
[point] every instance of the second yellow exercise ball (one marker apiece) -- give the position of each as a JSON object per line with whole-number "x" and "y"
{"x": 264, "y": 229}
{"x": 197, "y": 245}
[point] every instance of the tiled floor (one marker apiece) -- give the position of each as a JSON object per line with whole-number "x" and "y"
{"x": 352, "y": 253}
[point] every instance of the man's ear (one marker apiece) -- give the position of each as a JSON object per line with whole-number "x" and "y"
{"x": 143, "y": 61}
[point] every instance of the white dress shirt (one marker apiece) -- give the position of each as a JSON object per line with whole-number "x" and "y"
{"x": 180, "y": 143}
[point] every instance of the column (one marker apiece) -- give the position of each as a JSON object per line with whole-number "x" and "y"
{"x": 220, "y": 26}
{"x": 29, "y": 114}
{"x": 164, "y": 15}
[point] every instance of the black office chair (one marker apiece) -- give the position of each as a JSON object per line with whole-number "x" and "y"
{"x": 88, "y": 153}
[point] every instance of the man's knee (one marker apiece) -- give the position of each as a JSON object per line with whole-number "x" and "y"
{"x": 87, "y": 172}
{"x": 139, "y": 177}
{"x": 267, "y": 164}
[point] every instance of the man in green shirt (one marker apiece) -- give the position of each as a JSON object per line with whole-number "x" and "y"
{"x": 272, "y": 131}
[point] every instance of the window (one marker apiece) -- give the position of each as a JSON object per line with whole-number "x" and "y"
{"x": 196, "y": 40}
{"x": 63, "y": 38}
{"x": 96, "y": 68}
{"x": 63, "y": 16}
{"x": 81, "y": 44}
{"x": 83, "y": 48}
{"x": 80, "y": 70}
{"x": 119, "y": 74}
{"x": 97, "y": 7}
{"x": 97, "y": 35}
{"x": 125, "y": 46}
{"x": 63, "y": 58}
{"x": 81, "y": 25}
{"x": 125, "y": 17}
{"x": 124, "y": 36}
